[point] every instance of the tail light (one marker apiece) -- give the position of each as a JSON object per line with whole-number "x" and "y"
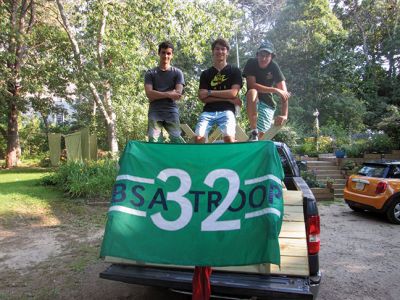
{"x": 381, "y": 187}
{"x": 313, "y": 231}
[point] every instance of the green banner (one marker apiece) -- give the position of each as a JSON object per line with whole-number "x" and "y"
{"x": 196, "y": 204}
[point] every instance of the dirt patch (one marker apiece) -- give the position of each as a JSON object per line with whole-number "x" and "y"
{"x": 358, "y": 258}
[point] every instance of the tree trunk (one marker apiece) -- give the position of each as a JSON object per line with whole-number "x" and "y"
{"x": 13, "y": 147}
{"x": 103, "y": 102}
{"x": 21, "y": 20}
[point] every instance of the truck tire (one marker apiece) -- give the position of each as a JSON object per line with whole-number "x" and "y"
{"x": 393, "y": 212}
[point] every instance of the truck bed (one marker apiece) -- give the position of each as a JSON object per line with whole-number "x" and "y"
{"x": 292, "y": 241}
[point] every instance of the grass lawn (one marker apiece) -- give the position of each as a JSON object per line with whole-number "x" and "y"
{"x": 23, "y": 201}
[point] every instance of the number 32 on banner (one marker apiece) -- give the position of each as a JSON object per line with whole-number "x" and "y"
{"x": 211, "y": 223}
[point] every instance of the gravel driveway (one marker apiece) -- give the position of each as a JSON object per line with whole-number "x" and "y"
{"x": 359, "y": 255}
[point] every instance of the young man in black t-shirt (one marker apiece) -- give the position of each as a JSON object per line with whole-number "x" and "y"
{"x": 264, "y": 78}
{"x": 219, "y": 88}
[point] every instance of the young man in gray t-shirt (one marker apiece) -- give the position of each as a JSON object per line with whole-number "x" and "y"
{"x": 164, "y": 86}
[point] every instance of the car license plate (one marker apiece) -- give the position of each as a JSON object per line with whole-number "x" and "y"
{"x": 360, "y": 186}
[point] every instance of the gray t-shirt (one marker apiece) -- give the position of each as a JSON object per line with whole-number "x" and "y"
{"x": 163, "y": 81}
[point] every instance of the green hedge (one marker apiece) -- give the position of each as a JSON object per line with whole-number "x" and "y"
{"x": 93, "y": 179}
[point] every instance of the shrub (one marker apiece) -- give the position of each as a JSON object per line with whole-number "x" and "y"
{"x": 356, "y": 149}
{"x": 309, "y": 146}
{"x": 92, "y": 179}
{"x": 287, "y": 135}
{"x": 311, "y": 179}
{"x": 381, "y": 143}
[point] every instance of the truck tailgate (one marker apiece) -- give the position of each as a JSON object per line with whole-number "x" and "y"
{"x": 229, "y": 284}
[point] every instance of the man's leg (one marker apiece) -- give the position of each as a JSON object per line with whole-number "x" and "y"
{"x": 206, "y": 121}
{"x": 265, "y": 118}
{"x": 226, "y": 122}
{"x": 251, "y": 107}
{"x": 154, "y": 131}
{"x": 174, "y": 131}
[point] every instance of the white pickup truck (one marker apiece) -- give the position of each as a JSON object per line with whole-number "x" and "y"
{"x": 298, "y": 278}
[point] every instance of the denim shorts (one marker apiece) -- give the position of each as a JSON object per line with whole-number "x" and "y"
{"x": 225, "y": 120}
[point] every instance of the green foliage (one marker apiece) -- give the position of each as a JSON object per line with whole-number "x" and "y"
{"x": 33, "y": 138}
{"x": 381, "y": 143}
{"x": 356, "y": 149}
{"x": 349, "y": 165}
{"x": 311, "y": 179}
{"x": 391, "y": 124}
{"x": 92, "y": 179}
{"x": 287, "y": 135}
{"x": 337, "y": 132}
{"x": 308, "y": 146}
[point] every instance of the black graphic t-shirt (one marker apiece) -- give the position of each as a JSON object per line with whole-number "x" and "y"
{"x": 269, "y": 76}
{"x": 212, "y": 79}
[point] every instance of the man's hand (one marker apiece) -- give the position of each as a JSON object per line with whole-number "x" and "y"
{"x": 280, "y": 120}
{"x": 203, "y": 94}
{"x": 236, "y": 101}
{"x": 174, "y": 95}
{"x": 285, "y": 95}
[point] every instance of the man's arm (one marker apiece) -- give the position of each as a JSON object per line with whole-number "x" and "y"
{"x": 280, "y": 88}
{"x": 218, "y": 95}
{"x": 279, "y": 120}
{"x": 156, "y": 95}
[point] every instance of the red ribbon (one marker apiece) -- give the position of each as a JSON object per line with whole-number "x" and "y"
{"x": 201, "y": 289}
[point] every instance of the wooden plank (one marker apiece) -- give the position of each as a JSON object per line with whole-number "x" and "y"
{"x": 292, "y": 198}
{"x": 293, "y": 230}
{"x": 272, "y": 131}
{"x": 241, "y": 136}
{"x": 290, "y": 265}
{"x": 293, "y": 213}
{"x": 214, "y": 135}
{"x": 293, "y": 247}
{"x": 187, "y": 130}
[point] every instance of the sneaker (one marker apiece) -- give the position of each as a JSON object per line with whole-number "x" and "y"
{"x": 253, "y": 136}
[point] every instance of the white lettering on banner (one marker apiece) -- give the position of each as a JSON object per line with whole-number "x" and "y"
{"x": 265, "y": 211}
{"x": 135, "y": 179}
{"x": 177, "y": 196}
{"x": 211, "y": 223}
{"x": 128, "y": 210}
{"x": 263, "y": 178}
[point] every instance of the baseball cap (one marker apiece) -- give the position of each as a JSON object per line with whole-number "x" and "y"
{"x": 267, "y": 46}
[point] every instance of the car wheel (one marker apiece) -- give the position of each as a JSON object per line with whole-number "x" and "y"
{"x": 355, "y": 208}
{"x": 393, "y": 212}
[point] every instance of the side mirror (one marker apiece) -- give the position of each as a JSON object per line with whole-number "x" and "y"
{"x": 302, "y": 165}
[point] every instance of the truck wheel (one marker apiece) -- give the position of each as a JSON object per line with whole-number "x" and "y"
{"x": 355, "y": 208}
{"x": 393, "y": 212}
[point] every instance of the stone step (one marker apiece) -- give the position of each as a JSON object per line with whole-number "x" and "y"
{"x": 338, "y": 185}
{"x": 340, "y": 180}
{"x": 322, "y": 167}
{"x": 320, "y": 163}
{"x": 324, "y": 177}
{"x": 330, "y": 159}
{"x": 327, "y": 172}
